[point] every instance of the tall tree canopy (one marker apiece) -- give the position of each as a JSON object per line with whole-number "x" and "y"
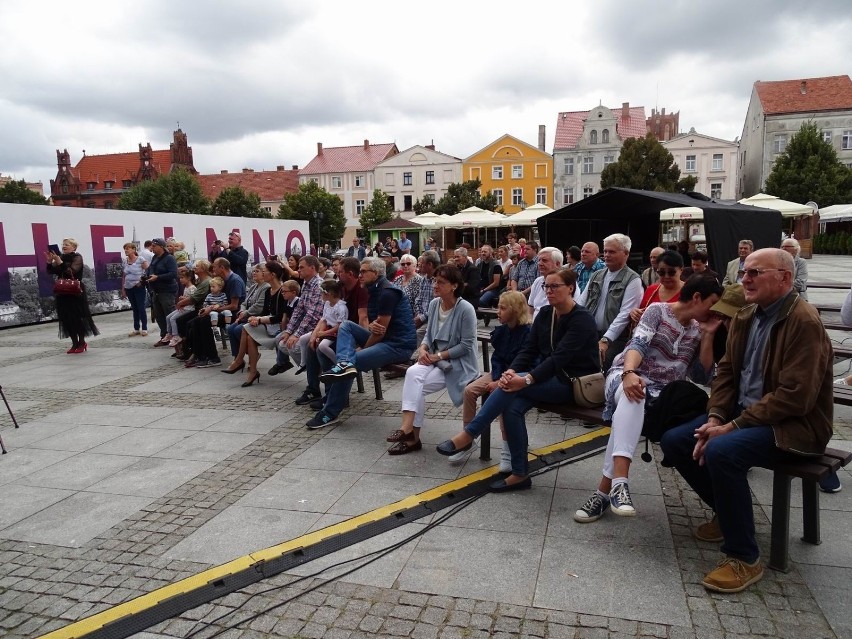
{"x": 17, "y": 192}
{"x": 234, "y": 201}
{"x": 463, "y": 195}
{"x": 378, "y": 211}
{"x": 175, "y": 192}
{"x": 645, "y": 164}
{"x": 312, "y": 199}
{"x": 809, "y": 170}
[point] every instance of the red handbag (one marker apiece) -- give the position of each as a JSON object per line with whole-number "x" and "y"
{"x": 67, "y": 286}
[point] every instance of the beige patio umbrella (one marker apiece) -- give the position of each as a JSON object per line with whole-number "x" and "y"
{"x": 787, "y": 208}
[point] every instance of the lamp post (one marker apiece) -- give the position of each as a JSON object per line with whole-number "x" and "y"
{"x": 318, "y": 215}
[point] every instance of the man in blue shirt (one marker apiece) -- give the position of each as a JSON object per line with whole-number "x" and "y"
{"x": 590, "y": 262}
{"x": 390, "y": 339}
{"x": 404, "y": 242}
{"x": 200, "y": 337}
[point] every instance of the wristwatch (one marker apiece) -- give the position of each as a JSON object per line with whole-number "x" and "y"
{"x": 605, "y": 340}
{"x": 528, "y": 380}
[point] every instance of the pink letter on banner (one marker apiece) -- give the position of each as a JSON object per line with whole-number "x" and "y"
{"x": 260, "y": 247}
{"x": 102, "y": 257}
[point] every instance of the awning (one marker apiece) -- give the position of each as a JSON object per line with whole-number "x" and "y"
{"x": 528, "y": 216}
{"x": 836, "y": 213}
{"x": 788, "y": 209}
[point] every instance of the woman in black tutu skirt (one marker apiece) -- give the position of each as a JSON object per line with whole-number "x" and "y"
{"x": 75, "y": 319}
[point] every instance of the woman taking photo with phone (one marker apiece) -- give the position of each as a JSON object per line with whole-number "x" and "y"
{"x": 72, "y": 306}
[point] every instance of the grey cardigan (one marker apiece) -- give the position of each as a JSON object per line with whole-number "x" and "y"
{"x": 458, "y": 337}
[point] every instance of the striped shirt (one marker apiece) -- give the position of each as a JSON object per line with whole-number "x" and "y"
{"x": 309, "y": 311}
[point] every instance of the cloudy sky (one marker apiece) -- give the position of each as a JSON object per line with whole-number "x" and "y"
{"x": 259, "y": 84}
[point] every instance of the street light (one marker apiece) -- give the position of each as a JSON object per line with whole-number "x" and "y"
{"x": 318, "y": 215}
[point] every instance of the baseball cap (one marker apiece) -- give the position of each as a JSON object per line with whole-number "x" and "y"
{"x": 732, "y": 300}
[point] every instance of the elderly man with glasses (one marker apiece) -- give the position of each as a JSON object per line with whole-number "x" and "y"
{"x": 771, "y": 400}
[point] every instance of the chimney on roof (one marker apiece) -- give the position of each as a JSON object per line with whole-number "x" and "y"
{"x": 804, "y": 88}
{"x": 319, "y": 148}
{"x": 663, "y": 112}
{"x": 295, "y": 167}
{"x": 625, "y": 110}
{"x": 431, "y": 146}
{"x": 366, "y": 145}
{"x": 541, "y": 137}
{"x": 248, "y": 170}
{"x": 223, "y": 172}
{"x": 280, "y": 167}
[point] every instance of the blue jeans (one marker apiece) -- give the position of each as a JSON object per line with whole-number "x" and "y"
{"x": 349, "y": 337}
{"x": 314, "y": 363}
{"x": 489, "y": 298}
{"x": 136, "y": 297}
{"x": 235, "y": 334}
{"x": 513, "y": 407}
{"x": 727, "y": 459}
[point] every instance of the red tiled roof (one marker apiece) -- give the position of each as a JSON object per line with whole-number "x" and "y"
{"x": 569, "y": 126}
{"x": 347, "y": 159}
{"x": 833, "y": 93}
{"x": 117, "y": 167}
{"x": 271, "y": 186}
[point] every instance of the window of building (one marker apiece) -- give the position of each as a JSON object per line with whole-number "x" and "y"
{"x": 826, "y": 136}
{"x": 588, "y": 191}
{"x": 716, "y": 190}
{"x": 108, "y": 185}
{"x": 314, "y": 180}
{"x": 780, "y": 143}
{"x": 690, "y": 164}
{"x": 107, "y": 205}
{"x": 407, "y": 203}
{"x": 541, "y": 170}
{"x": 541, "y": 195}
{"x": 64, "y": 186}
{"x": 496, "y": 172}
{"x": 360, "y": 205}
{"x": 90, "y": 205}
{"x": 448, "y": 176}
{"x": 90, "y": 186}
{"x": 717, "y": 162}
{"x": 498, "y": 196}
{"x": 360, "y": 181}
{"x": 268, "y": 209}
{"x": 593, "y": 137}
{"x": 126, "y": 184}
{"x": 846, "y": 141}
{"x": 391, "y": 202}
{"x": 336, "y": 182}
{"x": 517, "y": 171}
{"x": 589, "y": 164}
{"x": 428, "y": 199}
{"x": 407, "y": 179}
{"x": 430, "y": 177}
{"x": 569, "y": 166}
{"x": 517, "y": 197}
{"x": 568, "y": 195}
{"x": 605, "y": 136}
{"x": 608, "y": 159}
{"x": 389, "y": 180}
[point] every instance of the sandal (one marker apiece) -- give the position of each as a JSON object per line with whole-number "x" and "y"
{"x": 403, "y": 448}
{"x": 399, "y": 436}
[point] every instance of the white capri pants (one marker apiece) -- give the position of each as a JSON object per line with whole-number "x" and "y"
{"x": 626, "y": 430}
{"x": 326, "y": 347}
{"x": 420, "y": 381}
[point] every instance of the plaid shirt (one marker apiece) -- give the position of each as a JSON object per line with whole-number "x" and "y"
{"x": 584, "y": 273}
{"x": 308, "y": 312}
{"x": 427, "y": 292}
{"x": 526, "y": 273}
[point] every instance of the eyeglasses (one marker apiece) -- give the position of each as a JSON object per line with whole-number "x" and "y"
{"x": 552, "y": 287}
{"x": 666, "y": 272}
{"x": 365, "y": 270}
{"x": 754, "y": 272}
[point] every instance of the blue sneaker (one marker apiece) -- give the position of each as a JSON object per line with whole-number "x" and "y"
{"x": 593, "y": 509}
{"x": 830, "y": 484}
{"x": 338, "y": 372}
{"x": 321, "y": 420}
{"x": 620, "y": 502}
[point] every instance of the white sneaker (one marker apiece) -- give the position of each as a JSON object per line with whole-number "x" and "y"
{"x": 135, "y": 333}
{"x": 841, "y": 381}
{"x": 505, "y": 459}
{"x": 464, "y": 455}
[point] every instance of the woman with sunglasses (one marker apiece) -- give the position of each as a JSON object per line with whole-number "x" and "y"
{"x": 562, "y": 344}
{"x": 669, "y": 269}
{"x": 410, "y": 282}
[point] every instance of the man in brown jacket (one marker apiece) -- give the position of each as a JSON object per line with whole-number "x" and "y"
{"x": 771, "y": 399}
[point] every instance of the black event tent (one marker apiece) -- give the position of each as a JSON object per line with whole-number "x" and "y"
{"x": 637, "y": 214}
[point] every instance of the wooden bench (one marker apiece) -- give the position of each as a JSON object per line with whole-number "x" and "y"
{"x": 483, "y": 335}
{"x": 827, "y": 308}
{"x": 810, "y": 470}
{"x": 834, "y": 285}
{"x": 843, "y": 395}
{"x": 377, "y": 382}
{"x": 836, "y": 326}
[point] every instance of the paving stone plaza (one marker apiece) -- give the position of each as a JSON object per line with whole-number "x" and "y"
{"x": 129, "y": 472}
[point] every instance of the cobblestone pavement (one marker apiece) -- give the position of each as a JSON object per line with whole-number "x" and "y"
{"x": 45, "y": 586}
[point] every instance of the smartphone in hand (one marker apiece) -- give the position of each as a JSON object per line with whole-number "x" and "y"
{"x": 54, "y": 248}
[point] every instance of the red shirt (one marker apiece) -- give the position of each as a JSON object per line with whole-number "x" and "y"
{"x": 652, "y": 295}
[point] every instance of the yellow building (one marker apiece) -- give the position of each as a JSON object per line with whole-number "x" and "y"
{"x": 517, "y": 173}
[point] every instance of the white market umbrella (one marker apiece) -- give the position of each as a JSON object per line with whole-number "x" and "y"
{"x": 473, "y": 217}
{"x": 836, "y": 213}
{"x": 788, "y": 209}
{"x": 677, "y": 213}
{"x": 528, "y": 216}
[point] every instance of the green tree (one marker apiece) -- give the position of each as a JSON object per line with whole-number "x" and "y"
{"x": 644, "y": 163}
{"x": 463, "y": 195}
{"x": 423, "y": 206}
{"x": 809, "y": 170}
{"x": 175, "y": 192}
{"x": 17, "y": 192}
{"x": 378, "y": 211}
{"x": 311, "y": 199}
{"x": 234, "y": 201}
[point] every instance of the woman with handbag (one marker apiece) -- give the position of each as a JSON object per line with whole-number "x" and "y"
{"x": 72, "y": 306}
{"x": 562, "y": 346}
{"x": 446, "y": 358}
{"x": 671, "y": 341}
